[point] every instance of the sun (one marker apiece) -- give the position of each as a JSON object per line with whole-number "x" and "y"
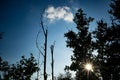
{"x": 88, "y": 67}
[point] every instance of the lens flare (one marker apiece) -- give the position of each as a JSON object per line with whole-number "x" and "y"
{"x": 88, "y": 67}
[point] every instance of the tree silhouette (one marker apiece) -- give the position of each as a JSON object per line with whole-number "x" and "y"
{"x": 66, "y": 76}
{"x": 105, "y": 40}
{"x": 4, "y": 68}
{"x": 81, "y": 43}
{"x": 108, "y": 44}
{"x": 114, "y": 31}
{"x": 44, "y": 53}
{"x": 115, "y": 9}
{"x": 100, "y": 44}
{"x": 22, "y": 70}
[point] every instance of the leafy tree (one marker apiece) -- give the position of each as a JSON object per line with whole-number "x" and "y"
{"x": 81, "y": 43}
{"x": 105, "y": 39}
{"x": 4, "y": 68}
{"x": 108, "y": 44}
{"x": 22, "y": 70}
{"x": 114, "y": 32}
{"x": 101, "y": 44}
{"x": 115, "y": 9}
{"x": 66, "y": 76}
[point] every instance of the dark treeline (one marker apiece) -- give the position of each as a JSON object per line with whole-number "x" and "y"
{"x": 22, "y": 70}
{"x": 105, "y": 39}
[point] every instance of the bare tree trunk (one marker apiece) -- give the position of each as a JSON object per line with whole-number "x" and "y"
{"x": 52, "y": 64}
{"x": 45, "y": 32}
{"x": 44, "y": 54}
{"x": 45, "y": 74}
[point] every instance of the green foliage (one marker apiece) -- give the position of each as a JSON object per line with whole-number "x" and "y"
{"x": 22, "y": 70}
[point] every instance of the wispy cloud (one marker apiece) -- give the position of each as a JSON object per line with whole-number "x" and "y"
{"x": 59, "y": 13}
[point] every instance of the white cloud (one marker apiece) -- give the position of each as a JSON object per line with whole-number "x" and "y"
{"x": 58, "y": 13}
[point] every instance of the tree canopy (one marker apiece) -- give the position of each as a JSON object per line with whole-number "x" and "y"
{"x": 22, "y": 70}
{"x": 105, "y": 39}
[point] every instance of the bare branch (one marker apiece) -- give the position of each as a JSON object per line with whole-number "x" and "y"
{"x": 42, "y": 25}
{"x": 52, "y": 64}
{"x": 40, "y": 52}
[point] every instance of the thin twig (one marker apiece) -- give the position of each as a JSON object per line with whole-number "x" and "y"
{"x": 38, "y": 45}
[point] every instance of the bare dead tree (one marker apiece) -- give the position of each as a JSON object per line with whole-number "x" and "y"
{"x": 44, "y": 54}
{"x": 45, "y": 31}
{"x": 52, "y": 64}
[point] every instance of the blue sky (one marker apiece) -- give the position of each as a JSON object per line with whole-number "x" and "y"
{"x": 20, "y": 22}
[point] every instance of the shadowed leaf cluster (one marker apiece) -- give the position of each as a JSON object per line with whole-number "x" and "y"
{"x": 22, "y": 70}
